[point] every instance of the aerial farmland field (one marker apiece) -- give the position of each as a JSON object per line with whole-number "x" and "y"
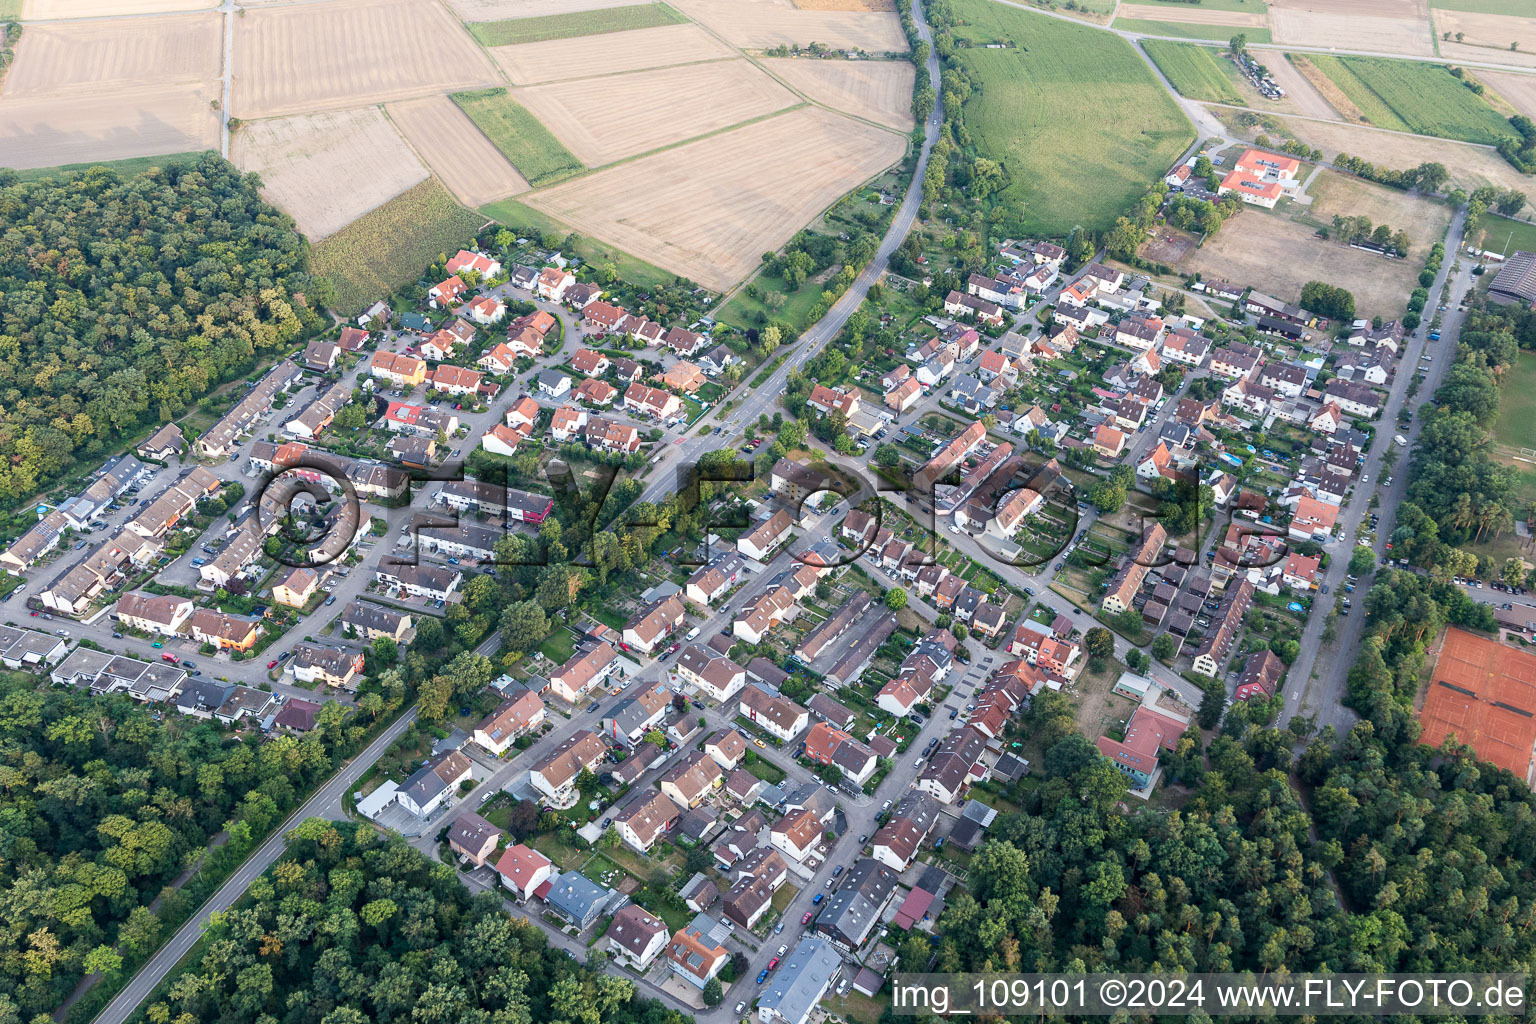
{"x": 534, "y": 63}
{"x": 1414, "y": 96}
{"x": 575, "y": 24}
{"x": 301, "y": 58}
{"x": 1193, "y": 69}
{"x": 388, "y": 246}
{"x": 521, "y": 137}
{"x": 761, "y": 24}
{"x": 111, "y": 89}
{"x": 880, "y": 90}
{"x": 1394, "y": 26}
{"x": 465, "y": 160}
{"x": 709, "y": 209}
{"x": 301, "y": 158}
{"x": 1061, "y": 98}
{"x": 645, "y": 110}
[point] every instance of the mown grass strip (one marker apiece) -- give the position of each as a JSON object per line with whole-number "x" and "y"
{"x": 577, "y": 23}
{"x": 521, "y": 137}
{"x": 1189, "y": 30}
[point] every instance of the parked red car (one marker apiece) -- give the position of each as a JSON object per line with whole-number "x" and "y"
{"x": 773, "y": 964}
{"x": 807, "y": 918}
{"x": 272, "y": 663}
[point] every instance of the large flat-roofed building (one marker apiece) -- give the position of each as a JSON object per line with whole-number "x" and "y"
{"x": 1516, "y": 280}
{"x": 1484, "y": 694}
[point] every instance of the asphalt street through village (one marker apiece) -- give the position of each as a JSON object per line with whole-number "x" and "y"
{"x": 328, "y": 802}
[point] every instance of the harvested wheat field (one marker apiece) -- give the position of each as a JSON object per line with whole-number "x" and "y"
{"x": 48, "y": 10}
{"x": 326, "y": 170}
{"x": 645, "y": 110}
{"x": 1345, "y": 195}
{"x": 635, "y": 50}
{"x": 1470, "y": 166}
{"x": 710, "y": 209}
{"x": 109, "y": 56}
{"x": 1392, "y": 26}
{"x": 1486, "y": 37}
{"x": 1326, "y": 88}
{"x": 1243, "y": 252}
{"x": 879, "y": 90}
{"x": 146, "y": 121}
{"x": 349, "y": 53}
{"x": 1299, "y": 92}
{"x": 1519, "y": 90}
{"x": 1190, "y": 15}
{"x": 473, "y": 169}
{"x": 495, "y": 10}
{"x": 761, "y": 24}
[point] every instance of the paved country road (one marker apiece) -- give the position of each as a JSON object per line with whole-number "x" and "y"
{"x": 326, "y": 803}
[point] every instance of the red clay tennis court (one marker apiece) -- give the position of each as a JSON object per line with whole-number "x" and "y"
{"x": 1484, "y": 693}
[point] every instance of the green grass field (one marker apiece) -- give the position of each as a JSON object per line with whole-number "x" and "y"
{"x": 518, "y": 215}
{"x": 1500, "y": 234}
{"x": 1245, "y": 6}
{"x": 742, "y": 311}
{"x": 1516, "y": 8}
{"x": 1073, "y": 113}
{"x": 10, "y": 10}
{"x": 521, "y": 137}
{"x": 1413, "y": 96}
{"x": 1516, "y": 425}
{"x": 1194, "y": 70}
{"x": 127, "y": 168}
{"x": 1217, "y": 33}
{"x": 393, "y": 244}
{"x": 576, "y": 23}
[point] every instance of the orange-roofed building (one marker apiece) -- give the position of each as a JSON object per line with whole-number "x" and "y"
{"x": 1108, "y": 441}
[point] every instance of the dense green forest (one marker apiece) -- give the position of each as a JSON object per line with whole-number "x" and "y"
{"x": 1456, "y": 493}
{"x": 102, "y": 806}
{"x": 350, "y": 928}
{"x": 123, "y": 301}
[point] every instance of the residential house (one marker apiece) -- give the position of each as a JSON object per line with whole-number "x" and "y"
{"x": 694, "y": 777}
{"x": 513, "y": 717}
{"x": 555, "y": 776}
{"x": 777, "y": 715}
{"x": 333, "y": 666}
{"x": 160, "y": 614}
{"x": 764, "y": 539}
{"x": 717, "y": 676}
{"x": 653, "y": 624}
{"x": 434, "y": 784}
{"x": 646, "y": 819}
{"x": 585, "y": 672}
{"x": 694, "y": 955}
{"x": 636, "y": 937}
{"x": 222, "y": 630}
{"x": 853, "y": 912}
{"x": 473, "y": 838}
{"x": 524, "y": 869}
